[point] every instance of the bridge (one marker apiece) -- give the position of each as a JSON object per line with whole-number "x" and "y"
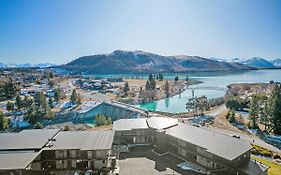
{"x": 214, "y": 88}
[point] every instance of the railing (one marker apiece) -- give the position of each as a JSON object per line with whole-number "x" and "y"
{"x": 208, "y": 88}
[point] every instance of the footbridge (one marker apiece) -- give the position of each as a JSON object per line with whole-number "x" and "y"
{"x": 214, "y": 88}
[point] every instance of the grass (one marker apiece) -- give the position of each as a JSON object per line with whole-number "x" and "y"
{"x": 258, "y": 150}
{"x": 274, "y": 169}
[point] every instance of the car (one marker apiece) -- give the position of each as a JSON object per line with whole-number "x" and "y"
{"x": 89, "y": 172}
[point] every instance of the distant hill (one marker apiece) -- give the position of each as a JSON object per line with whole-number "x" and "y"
{"x": 257, "y": 62}
{"x": 121, "y": 61}
{"x": 27, "y": 65}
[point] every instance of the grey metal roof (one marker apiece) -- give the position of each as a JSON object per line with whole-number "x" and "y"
{"x": 83, "y": 140}
{"x": 161, "y": 122}
{"x": 129, "y": 124}
{"x": 253, "y": 167}
{"x": 16, "y": 161}
{"x": 26, "y": 139}
{"x": 215, "y": 143}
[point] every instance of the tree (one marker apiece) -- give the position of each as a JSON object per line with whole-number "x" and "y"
{"x": 57, "y": 95}
{"x": 50, "y": 83}
{"x": 51, "y": 75}
{"x": 38, "y": 125}
{"x": 198, "y": 104}
{"x": 100, "y": 120}
{"x": 73, "y": 97}
{"x": 126, "y": 88}
{"x": 10, "y": 106}
{"x": 2, "y": 116}
{"x": 161, "y": 77}
{"x": 150, "y": 77}
{"x": 235, "y": 103}
{"x": 254, "y": 111}
{"x": 152, "y": 84}
{"x": 232, "y": 116}
{"x": 147, "y": 85}
{"x": 275, "y": 109}
{"x": 19, "y": 102}
{"x": 176, "y": 78}
{"x": 66, "y": 128}
{"x": 167, "y": 88}
{"x": 49, "y": 113}
{"x": 8, "y": 90}
{"x": 51, "y": 102}
{"x": 109, "y": 121}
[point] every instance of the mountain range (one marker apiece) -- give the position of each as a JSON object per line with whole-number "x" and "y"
{"x": 121, "y": 61}
{"x": 27, "y": 65}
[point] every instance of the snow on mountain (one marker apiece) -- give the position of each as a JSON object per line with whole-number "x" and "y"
{"x": 26, "y": 65}
{"x": 276, "y": 62}
{"x": 257, "y": 62}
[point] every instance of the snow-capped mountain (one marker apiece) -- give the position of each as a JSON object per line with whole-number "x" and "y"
{"x": 257, "y": 62}
{"x": 26, "y": 65}
{"x": 276, "y": 62}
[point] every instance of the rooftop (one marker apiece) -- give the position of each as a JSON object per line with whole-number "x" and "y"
{"x": 16, "y": 161}
{"x": 83, "y": 140}
{"x": 129, "y": 124}
{"x": 26, "y": 139}
{"x": 161, "y": 122}
{"x": 218, "y": 144}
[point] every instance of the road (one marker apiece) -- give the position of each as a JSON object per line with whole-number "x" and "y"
{"x": 231, "y": 130}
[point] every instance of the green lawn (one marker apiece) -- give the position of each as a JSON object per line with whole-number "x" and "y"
{"x": 274, "y": 169}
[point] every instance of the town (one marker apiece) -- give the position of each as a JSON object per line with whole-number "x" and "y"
{"x": 52, "y": 112}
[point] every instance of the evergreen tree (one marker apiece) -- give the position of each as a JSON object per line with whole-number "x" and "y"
{"x": 51, "y": 102}
{"x": 161, "y": 77}
{"x": 147, "y": 85}
{"x": 126, "y": 88}
{"x": 176, "y": 78}
{"x": 254, "y": 111}
{"x": 150, "y": 78}
{"x": 232, "y": 116}
{"x": 73, "y": 97}
{"x": 19, "y": 102}
{"x": 275, "y": 110}
{"x": 57, "y": 95}
{"x": 109, "y": 121}
{"x": 152, "y": 84}
{"x": 2, "y": 116}
{"x": 10, "y": 106}
{"x": 38, "y": 125}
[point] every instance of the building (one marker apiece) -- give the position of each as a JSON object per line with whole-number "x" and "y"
{"x": 141, "y": 130}
{"x": 18, "y": 151}
{"x": 50, "y": 150}
{"x": 215, "y": 151}
{"x": 79, "y": 150}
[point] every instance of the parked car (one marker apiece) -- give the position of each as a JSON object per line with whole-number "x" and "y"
{"x": 89, "y": 172}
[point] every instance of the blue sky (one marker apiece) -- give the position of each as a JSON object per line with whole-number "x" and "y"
{"x": 58, "y": 31}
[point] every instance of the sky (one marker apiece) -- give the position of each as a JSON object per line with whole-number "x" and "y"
{"x": 58, "y": 31}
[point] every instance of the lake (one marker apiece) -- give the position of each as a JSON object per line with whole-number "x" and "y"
{"x": 176, "y": 104}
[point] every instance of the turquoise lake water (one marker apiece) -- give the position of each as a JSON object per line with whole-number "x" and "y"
{"x": 177, "y": 103}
